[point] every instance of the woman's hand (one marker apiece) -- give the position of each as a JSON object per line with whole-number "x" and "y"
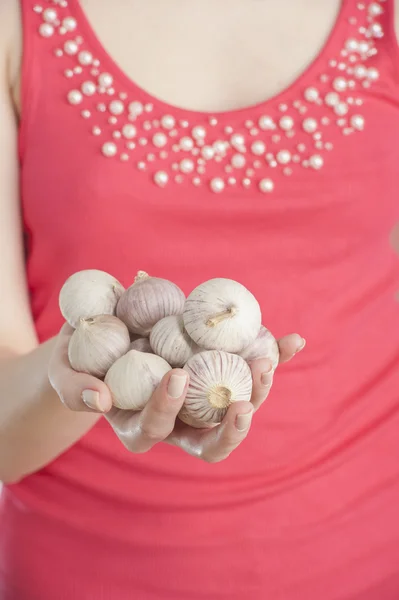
{"x": 158, "y": 422}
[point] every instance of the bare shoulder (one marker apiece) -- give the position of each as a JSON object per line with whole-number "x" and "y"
{"x": 11, "y": 43}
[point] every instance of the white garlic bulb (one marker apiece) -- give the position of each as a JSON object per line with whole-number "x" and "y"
{"x": 222, "y": 314}
{"x": 217, "y": 379}
{"x": 141, "y": 344}
{"x": 265, "y": 346}
{"x": 87, "y": 294}
{"x": 170, "y": 340}
{"x": 147, "y": 301}
{"x": 97, "y": 343}
{"x": 133, "y": 378}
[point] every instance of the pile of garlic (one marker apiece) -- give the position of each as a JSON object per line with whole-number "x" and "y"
{"x": 132, "y": 338}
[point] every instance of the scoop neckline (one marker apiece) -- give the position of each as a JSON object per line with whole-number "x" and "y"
{"x": 130, "y": 85}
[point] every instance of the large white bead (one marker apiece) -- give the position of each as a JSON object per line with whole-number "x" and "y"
{"x": 186, "y": 143}
{"x": 186, "y": 165}
{"x": 311, "y": 94}
{"x": 109, "y": 149}
{"x": 69, "y": 23}
{"x": 238, "y": 161}
{"x": 220, "y": 146}
{"x": 217, "y": 185}
{"x": 266, "y": 186}
{"x": 316, "y": 161}
{"x": 208, "y": 152}
{"x": 75, "y": 97}
{"x": 199, "y": 132}
{"x": 340, "y": 84}
{"x": 168, "y": 122}
{"x": 265, "y": 123}
{"x": 310, "y": 125}
{"x": 352, "y": 45}
{"x": 360, "y": 71}
{"x": 71, "y": 47}
{"x": 136, "y": 108}
{"x": 373, "y": 74}
{"x": 357, "y": 122}
{"x": 283, "y": 157}
{"x": 85, "y": 58}
{"x": 376, "y": 30}
{"x": 258, "y": 148}
{"x": 161, "y": 178}
{"x": 237, "y": 140}
{"x": 159, "y": 140}
{"x": 129, "y": 131}
{"x": 89, "y": 88}
{"x": 341, "y": 109}
{"x": 331, "y": 99}
{"x": 105, "y": 80}
{"x": 50, "y": 15}
{"x": 286, "y": 123}
{"x": 375, "y": 9}
{"x": 46, "y": 30}
{"x": 116, "y": 107}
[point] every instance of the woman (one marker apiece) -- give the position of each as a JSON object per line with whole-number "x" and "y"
{"x": 241, "y": 139}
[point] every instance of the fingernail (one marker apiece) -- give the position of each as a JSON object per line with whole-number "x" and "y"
{"x": 301, "y": 347}
{"x": 265, "y": 377}
{"x": 244, "y": 421}
{"x": 91, "y": 399}
{"x": 176, "y": 385}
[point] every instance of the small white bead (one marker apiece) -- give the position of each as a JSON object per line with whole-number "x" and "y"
{"x": 228, "y": 130}
{"x": 357, "y": 122}
{"x": 237, "y": 140}
{"x": 129, "y": 131}
{"x": 208, "y": 152}
{"x": 373, "y": 74}
{"x": 161, "y": 178}
{"x": 168, "y": 122}
{"x": 310, "y": 125}
{"x": 199, "y": 132}
{"x": 109, "y": 149}
{"x": 217, "y": 185}
{"x": 266, "y": 186}
{"x": 286, "y": 123}
{"x": 376, "y": 30}
{"x": 186, "y": 165}
{"x": 352, "y": 45}
{"x": 265, "y": 123}
{"x": 116, "y": 107}
{"x": 186, "y": 143}
{"x": 258, "y": 148}
{"x": 238, "y": 161}
{"x": 69, "y": 23}
{"x": 46, "y": 30}
{"x": 311, "y": 94}
{"x": 316, "y": 161}
{"x": 159, "y": 140}
{"x": 105, "y": 80}
{"x": 71, "y": 47}
{"x": 360, "y": 71}
{"x": 89, "y": 88}
{"x": 75, "y": 97}
{"x": 96, "y": 131}
{"x": 136, "y": 108}
{"x": 212, "y": 121}
{"x": 375, "y": 9}
{"x": 85, "y": 58}
{"x": 341, "y": 109}
{"x": 283, "y": 157}
{"x": 220, "y": 146}
{"x": 246, "y": 182}
{"x": 340, "y": 84}
{"x": 364, "y": 47}
{"x": 331, "y": 99}
{"x": 50, "y": 15}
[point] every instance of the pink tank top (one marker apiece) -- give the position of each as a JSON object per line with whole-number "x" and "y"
{"x": 295, "y": 198}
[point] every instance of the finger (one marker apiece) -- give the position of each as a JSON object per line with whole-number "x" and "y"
{"x": 140, "y": 431}
{"x": 78, "y": 391}
{"x": 290, "y": 345}
{"x": 215, "y": 444}
{"x": 262, "y": 377}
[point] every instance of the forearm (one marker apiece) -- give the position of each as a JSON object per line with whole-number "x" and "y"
{"x": 35, "y": 427}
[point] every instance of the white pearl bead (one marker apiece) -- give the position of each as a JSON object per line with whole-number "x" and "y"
{"x": 89, "y": 88}
{"x": 237, "y": 140}
{"x": 376, "y": 30}
{"x": 310, "y": 125}
{"x": 373, "y": 74}
{"x": 220, "y": 146}
{"x": 352, "y": 45}
{"x": 316, "y": 161}
{"x": 217, "y": 185}
{"x": 186, "y": 165}
{"x": 69, "y": 23}
{"x": 375, "y": 9}
{"x": 71, "y": 47}
{"x": 199, "y": 132}
{"x": 340, "y": 84}
{"x": 129, "y": 131}
{"x": 238, "y": 161}
{"x": 105, "y": 80}
{"x": 258, "y": 148}
{"x": 283, "y": 157}
{"x": 266, "y": 186}
{"x": 311, "y": 94}
{"x": 85, "y": 58}
{"x": 208, "y": 152}
{"x": 186, "y": 143}
{"x": 50, "y": 15}
{"x": 331, "y": 99}
{"x": 266, "y": 123}
{"x": 46, "y": 30}
{"x": 168, "y": 122}
{"x": 341, "y": 109}
{"x": 75, "y": 97}
{"x": 357, "y": 122}
{"x": 109, "y": 149}
{"x": 360, "y": 71}
{"x": 136, "y": 108}
{"x": 116, "y": 107}
{"x": 159, "y": 140}
{"x": 161, "y": 178}
{"x": 364, "y": 47}
{"x": 286, "y": 123}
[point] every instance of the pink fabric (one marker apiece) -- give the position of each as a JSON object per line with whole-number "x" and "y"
{"x": 307, "y": 508}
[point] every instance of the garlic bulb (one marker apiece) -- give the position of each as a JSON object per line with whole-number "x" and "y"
{"x": 170, "y": 340}
{"x": 265, "y": 346}
{"x": 97, "y": 343}
{"x": 222, "y": 314}
{"x": 141, "y": 344}
{"x": 133, "y": 378}
{"x": 147, "y": 301}
{"x": 217, "y": 379}
{"x": 87, "y": 294}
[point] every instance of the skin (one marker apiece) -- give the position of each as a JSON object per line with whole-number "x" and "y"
{"x": 42, "y": 412}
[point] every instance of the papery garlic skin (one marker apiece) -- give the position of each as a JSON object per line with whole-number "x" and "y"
{"x": 265, "y": 346}
{"x": 217, "y": 379}
{"x": 142, "y": 345}
{"x": 133, "y": 378}
{"x": 147, "y": 301}
{"x": 170, "y": 340}
{"x": 87, "y": 294}
{"x": 221, "y": 314}
{"x": 97, "y": 343}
